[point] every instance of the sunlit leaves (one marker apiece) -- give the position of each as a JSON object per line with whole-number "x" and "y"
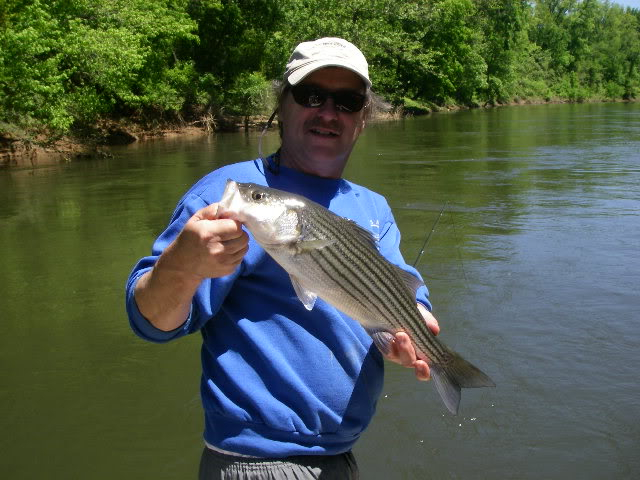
{"x": 71, "y": 62}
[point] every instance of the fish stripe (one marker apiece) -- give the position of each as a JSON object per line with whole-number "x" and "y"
{"x": 355, "y": 263}
{"x": 350, "y": 272}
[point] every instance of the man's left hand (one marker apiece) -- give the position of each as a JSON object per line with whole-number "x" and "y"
{"x": 403, "y": 352}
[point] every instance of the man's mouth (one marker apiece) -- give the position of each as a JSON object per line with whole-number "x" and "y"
{"x": 323, "y": 132}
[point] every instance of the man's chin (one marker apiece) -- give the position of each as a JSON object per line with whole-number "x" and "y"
{"x": 326, "y": 155}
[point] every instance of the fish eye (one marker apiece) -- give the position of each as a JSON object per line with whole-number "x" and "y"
{"x": 257, "y": 196}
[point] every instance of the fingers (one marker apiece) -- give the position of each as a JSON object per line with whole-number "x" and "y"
{"x": 422, "y": 370}
{"x": 403, "y": 352}
{"x": 432, "y": 323}
{"x": 230, "y": 252}
{"x": 227, "y": 246}
{"x": 236, "y": 245}
{"x": 210, "y": 225}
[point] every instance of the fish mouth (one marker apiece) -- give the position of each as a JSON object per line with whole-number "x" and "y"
{"x": 225, "y": 205}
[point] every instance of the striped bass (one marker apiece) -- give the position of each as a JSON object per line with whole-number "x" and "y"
{"x": 333, "y": 258}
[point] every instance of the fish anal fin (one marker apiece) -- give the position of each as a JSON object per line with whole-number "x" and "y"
{"x": 382, "y": 339}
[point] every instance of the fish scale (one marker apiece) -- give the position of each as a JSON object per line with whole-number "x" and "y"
{"x": 355, "y": 254}
{"x": 332, "y": 258}
{"x": 371, "y": 266}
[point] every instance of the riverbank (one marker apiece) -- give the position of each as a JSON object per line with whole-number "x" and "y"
{"x": 18, "y": 151}
{"x": 42, "y": 150}
{"x": 21, "y": 152}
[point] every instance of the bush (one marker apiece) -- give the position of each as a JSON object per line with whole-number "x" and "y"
{"x": 613, "y": 91}
{"x": 413, "y": 107}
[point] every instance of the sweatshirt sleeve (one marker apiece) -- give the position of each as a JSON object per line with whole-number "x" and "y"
{"x": 389, "y": 244}
{"x": 208, "y": 297}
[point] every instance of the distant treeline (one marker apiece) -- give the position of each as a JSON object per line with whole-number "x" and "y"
{"x": 67, "y": 64}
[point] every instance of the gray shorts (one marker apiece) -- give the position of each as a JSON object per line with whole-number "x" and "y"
{"x": 219, "y": 466}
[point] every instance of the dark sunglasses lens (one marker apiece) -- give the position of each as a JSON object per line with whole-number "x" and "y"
{"x": 309, "y": 97}
{"x": 349, "y": 101}
{"x": 313, "y": 97}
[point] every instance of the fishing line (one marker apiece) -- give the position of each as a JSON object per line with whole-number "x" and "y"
{"x": 455, "y": 234}
{"x": 433, "y": 228}
{"x": 264, "y": 130}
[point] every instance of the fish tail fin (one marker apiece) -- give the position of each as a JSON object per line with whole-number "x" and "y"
{"x": 455, "y": 374}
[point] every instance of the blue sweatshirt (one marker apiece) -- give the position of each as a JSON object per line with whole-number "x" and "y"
{"x": 278, "y": 380}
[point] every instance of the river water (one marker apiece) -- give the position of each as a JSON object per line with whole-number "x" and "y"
{"x": 533, "y": 267}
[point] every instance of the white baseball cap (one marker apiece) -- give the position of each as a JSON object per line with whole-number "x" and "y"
{"x": 326, "y": 52}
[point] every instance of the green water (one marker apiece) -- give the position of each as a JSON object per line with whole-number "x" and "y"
{"x": 533, "y": 269}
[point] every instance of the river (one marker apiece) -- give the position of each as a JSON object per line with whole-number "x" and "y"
{"x": 533, "y": 267}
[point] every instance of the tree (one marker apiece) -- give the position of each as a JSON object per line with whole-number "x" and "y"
{"x": 459, "y": 71}
{"x": 69, "y": 61}
{"x": 504, "y": 45}
{"x": 617, "y": 49}
{"x": 31, "y": 80}
{"x": 232, "y": 41}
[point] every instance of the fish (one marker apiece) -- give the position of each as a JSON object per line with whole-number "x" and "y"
{"x": 333, "y": 258}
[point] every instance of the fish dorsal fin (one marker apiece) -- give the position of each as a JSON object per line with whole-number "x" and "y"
{"x": 412, "y": 282}
{"x": 307, "y": 297}
{"x": 365, "y": 235}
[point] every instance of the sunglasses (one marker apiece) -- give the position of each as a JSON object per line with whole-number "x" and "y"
{"x": 312, "y": 96}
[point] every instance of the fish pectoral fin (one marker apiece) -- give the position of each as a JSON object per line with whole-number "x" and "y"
{"x": 382, "y": 339}
{"x": 306, "y": 246}
{"x": 307, "y": 297}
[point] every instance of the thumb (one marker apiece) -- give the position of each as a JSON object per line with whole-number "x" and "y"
{"x": 430, "y": 320}
{"x": 210, "y": 212}
{"x": 207, "y": 220}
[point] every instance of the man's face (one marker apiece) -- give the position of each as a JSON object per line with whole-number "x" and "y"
{"x": 319, "y": 140}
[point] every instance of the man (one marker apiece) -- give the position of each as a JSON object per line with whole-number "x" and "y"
{"x": 286, "y": 391}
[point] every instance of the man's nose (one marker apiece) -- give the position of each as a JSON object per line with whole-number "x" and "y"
{"x": 328, "y": 109}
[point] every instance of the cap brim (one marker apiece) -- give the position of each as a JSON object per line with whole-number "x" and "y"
{"x": 304, "y": 70}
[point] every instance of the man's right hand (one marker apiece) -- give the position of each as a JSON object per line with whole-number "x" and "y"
{"x": 207, "y": 247}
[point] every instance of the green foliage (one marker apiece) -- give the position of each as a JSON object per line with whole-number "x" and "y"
{"x": 251, "y": 94}
{"x": 504, "y": 45}
{"x": 69, "y": 63}
{"x": 459, "y": 69}
{"x": 31, "y": 80}
{"x": 571, "y": 89}
{"x": 73, "y": 61}
{"x": 591, "y": 49}
{"x": 412, "y": 107}
{"x": 232, "y": 35}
